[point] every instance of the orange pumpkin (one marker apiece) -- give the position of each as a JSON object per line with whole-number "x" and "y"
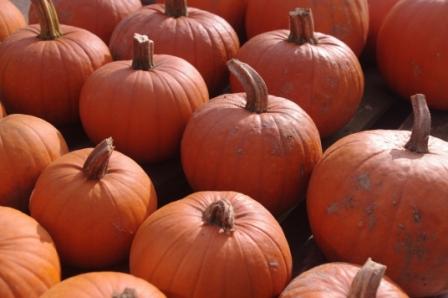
{"x": 42, "y": 68}
{"x": 205, "y": 40}
{"x": 11, "y": 19}
{"x": 104, "y": 285}
{"x": 384, "y": 192}
{"x": 317, "y": 71}
{"x": 144, "y": 103}
{"x": 92, "y": 201}
{"x": 213, "y": 244}
{"x": 28, "y": 257}
{"x": 258, "y": 144}
{"x": 28, "y": 146}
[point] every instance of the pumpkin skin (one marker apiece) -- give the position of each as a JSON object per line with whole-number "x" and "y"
{"x": 103, "y": 285}
{"x": 28, "y": 258}
{"x": 51, "y": 93}
{"x": 125, "y": 103}
{"x": 387, "y": 202}
{"x": 318, "y": 72}
{"x": 2, "y": 111}
{"x": 407, "y": 66}
{"x": 205, "y": 40}
{"x": 11, "y": 19}
{"x": 28, "y": 146}
{"x": 99, "y": 17}
{"x": 345, "y": 20}
{"x": 67, "y": 200}
{"x": 249, "y": 258}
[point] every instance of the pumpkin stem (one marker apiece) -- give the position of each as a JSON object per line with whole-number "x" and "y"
{"x": 127, "y": 293}
{"x": 143, "y": 53}
{"x": 176, "y": 8}
{"x": 221, "y": 214}
{"x": 301, "y": 25}
{"x": 421, "y": 130}
{"x": 254, "y": 86}
{"x": 367, "y": 280}
{"x": 95, "y": 166}
{"x": 48, "y": 19}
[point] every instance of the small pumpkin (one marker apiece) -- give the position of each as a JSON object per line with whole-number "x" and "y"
{"x": 11, "y": 19}
{"x": 42, "y": 68}
{"x": 104, "y": 285}
{"x": 317, "y": 71}
{"x": 384, "y": 192}
{"x": 144, "y": 103}
{"x": 92, "y": 201}
{"x": 28, "y": 146}
{"x": 213, "y": 244}
{"x": 28, "y": 257}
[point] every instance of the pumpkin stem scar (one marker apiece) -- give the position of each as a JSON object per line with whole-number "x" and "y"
{"x": 176, "y": 8}
{"x": 48, "y": 18}
{"x": 421, "y": 130}
{"x": 301, "y": 25}
{"x": 127, "y": 293}
{"x": 143, "y": 53}
{"x": 221, "y": 214}
{"x": 96, "y": 164}
{"x": 367, "y": 281}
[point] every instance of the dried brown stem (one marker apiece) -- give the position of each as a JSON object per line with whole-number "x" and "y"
{"x": 301, "y": 26}
{"x": 96, "y": 164}
{"x": 367, "y": 281}
{"x": 176, "y": 8}
{"x": 143, "y": 53}
{"x": 221, "y": 214}
{"x": 48, "y": 18}
{"x": 421, "y": 130}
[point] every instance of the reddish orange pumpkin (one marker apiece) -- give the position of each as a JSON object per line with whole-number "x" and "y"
{"x": 144, "y": 103}
{"x": 29, "y": 263}
{"x": 42, "y": 68}
{"x": 346, "y": 20}
{"x": 317, "y": 71}
{"x": 11, "y": 19}
{"x": 92, "y": 201}
{"x": 205, "y": 40}
{"x": 213, "y": 244}
{"x": 384, "y": 192}
{"x": 99, "y": 16}
{"x": 28, "y": 146}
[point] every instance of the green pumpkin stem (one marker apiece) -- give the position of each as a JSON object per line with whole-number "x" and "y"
{"x": 254, "y": 86}
{"x": 301, "y": 25}
{"x": 367, "y": 281}
{"x": 127, "y": 293}
{"x": 143, "y": 53}
{"x": 48, "y": 18}
{"x": 96, "y": 164}
{"x": 176, "y": 8}
{"x": 421, "y": 130}
{"x": 220, "y": 214}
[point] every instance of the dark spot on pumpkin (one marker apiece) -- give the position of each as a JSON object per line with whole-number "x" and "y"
{"x": 416, "y": 215}
{"x": 364, "y": 181}
{"x": 346, "y": 203}
{"x": 333, "y": 208}
{"x": 371, "y": 217}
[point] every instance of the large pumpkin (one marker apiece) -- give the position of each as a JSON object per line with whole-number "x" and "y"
{"x": 210, "y": 245}
{"x": 99, "y": 16}
{"x": 258, "y": 144}
{"x": 29, "y": 263}
{"x": 346, "y": 20}
{"x": 28, "y": 146}
{"x": 383, "y": 194}
{"x": 92, "y": 201}
{"x": 42, "y": 68}
{"x": 317, "y": 71}
{"x": 205, "y": 40}
{"x": 11, "y": 19}
{"x": 144, "y": 103}
{"x": 412, "y": 50}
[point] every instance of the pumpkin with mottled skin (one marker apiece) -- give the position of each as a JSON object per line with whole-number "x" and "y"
{"x": 11, "y": 19}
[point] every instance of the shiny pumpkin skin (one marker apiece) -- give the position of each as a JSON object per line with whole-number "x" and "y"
{"x": 92, "y": 222}
{"x": 102, "y": 285}
{"x": 29, "y": 263}
{"x": 387, "y": 203}
{"x": 412, "y": 50}
{"x": 28, "y": 146}
{"x": 199, "y": 261}
{"x": 11, "y": 19}
{"x": 346, "y": 20}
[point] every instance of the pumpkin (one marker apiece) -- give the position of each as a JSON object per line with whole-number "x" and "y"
{"x": 342, "y": 280}
{"x": 346, "y": 20}
{"x": 409, "y": 66}
{"x": 52, "y": 63}
{"x": 2, "y": 111}
{"x": 99, "y": 17}
{"x": 317, "y": 71}
{"x": 92, "y": 201}
{"x": 28, "y": 257}
{"x": 205, "y": 40}
{"x": 258, "y": 144}
{"x": 28, "y": 146}
{"x": 103, "y": 285}
{"x": 124, "y": 99}
{"x": 11, "y": 19}
{"x": 384, "y": 192}
{"x": 212, "y": 244}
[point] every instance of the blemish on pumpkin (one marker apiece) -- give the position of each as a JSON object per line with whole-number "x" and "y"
{"x": 239, "y": 151}
{"x": 416, "y": 215}
{"x": 371, "y": 217}
{"x": 401, "y": 226}
{"x": 333, "y": 208}
{"x": 364, "y": 181}
{"x": 273, "y": 264}
{"x": 346, "y": 203}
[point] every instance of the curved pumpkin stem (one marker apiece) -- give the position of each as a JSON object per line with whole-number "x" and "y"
{"x": 367, "y": 281}
{"x": 96, "y": 164}
{"x": 143, "y": 53}
{"x": 221, "y": 214}
{"x": 127, "y": 293}
{"x": 254, "y": 86}
{"x": 48, "y": 18}
{"x": 421, "y": 130}
{"x": 176, "y": 8}
{"x": 301, "y": 24}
